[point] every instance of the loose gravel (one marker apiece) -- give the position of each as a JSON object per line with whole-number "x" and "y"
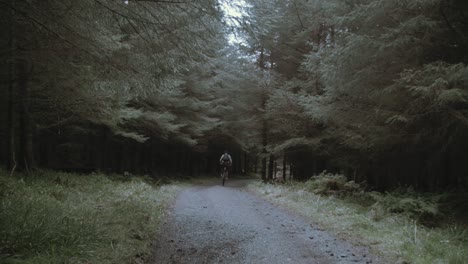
{"x": 216, "y": 224}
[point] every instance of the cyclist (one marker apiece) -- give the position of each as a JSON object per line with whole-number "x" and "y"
{"x": 225, "y": 161}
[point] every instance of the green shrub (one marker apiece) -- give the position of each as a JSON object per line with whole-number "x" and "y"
{"x": 424, "y": 209}
{"x": 327, "y": 183}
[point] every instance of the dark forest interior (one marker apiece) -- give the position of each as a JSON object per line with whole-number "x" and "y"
{"x": 377, "y": 91}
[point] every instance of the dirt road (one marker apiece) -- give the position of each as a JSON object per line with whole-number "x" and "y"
{"x": 215, "y": 224}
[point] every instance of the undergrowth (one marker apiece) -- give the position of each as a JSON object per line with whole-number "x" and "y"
{"x": 54, "y": 217}
{"x": 403, "y": 225}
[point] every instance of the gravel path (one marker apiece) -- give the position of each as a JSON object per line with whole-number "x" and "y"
{"x": 215, "y": 224}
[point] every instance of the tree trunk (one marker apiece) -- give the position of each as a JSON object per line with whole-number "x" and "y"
{"x": 256, "y": 164}
{"x": 264, "y": 170}
{"x": 275, "y": 169}
{"x": 291, "y": 174}
{"x": 261, "y": 63}
{"x": 284, "y": 167}
{"x": 264, "y": 152}
{"x": 11, "y": 90}
{"x": 271, "y": 162}
{"x": 246, "y": 163}
{"x": 26, "y": 158}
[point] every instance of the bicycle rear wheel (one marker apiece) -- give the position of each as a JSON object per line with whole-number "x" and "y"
{"x": 224, "y": 175}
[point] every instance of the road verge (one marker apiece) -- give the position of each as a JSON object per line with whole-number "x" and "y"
{"x": 394, "y": 236}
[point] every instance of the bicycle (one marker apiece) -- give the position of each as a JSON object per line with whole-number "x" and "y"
{"x": 224, "y": 174}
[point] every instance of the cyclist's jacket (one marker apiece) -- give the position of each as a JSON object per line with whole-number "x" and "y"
{"x": 225, "y": 159}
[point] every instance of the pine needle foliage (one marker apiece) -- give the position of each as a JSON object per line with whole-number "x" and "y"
{"x": 368, "y": 78}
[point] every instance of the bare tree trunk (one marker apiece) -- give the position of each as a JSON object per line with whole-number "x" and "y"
{"x": 11, "y": 125}
{"x": 256, "y": 165}
{"x": 246, "y": 163}
{"x": 291, "y": 172}
{"x": 271, "y": 162}
{"x": 261, "y": 63}
{"x": 26, "y": 132}
{"x": 11, "y": 96}
{"x": 284, "y": 167}
{"x": 264, "y": 145}
{"x": 264, "y": 152}
{"x": 275, "y": 169}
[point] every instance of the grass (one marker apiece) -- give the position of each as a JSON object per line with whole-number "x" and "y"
{"x": 54, "y": 217}
{"x": 371, "y": 218}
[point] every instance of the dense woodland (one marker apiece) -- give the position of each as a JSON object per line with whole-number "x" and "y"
{"x": 374, "y": 89}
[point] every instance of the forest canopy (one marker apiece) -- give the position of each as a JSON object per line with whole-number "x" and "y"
{"x": 374, "y": 89}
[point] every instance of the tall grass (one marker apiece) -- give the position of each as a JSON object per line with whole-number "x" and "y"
{"x": 54, "y": 217}
{"x": 391, "y": 223}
